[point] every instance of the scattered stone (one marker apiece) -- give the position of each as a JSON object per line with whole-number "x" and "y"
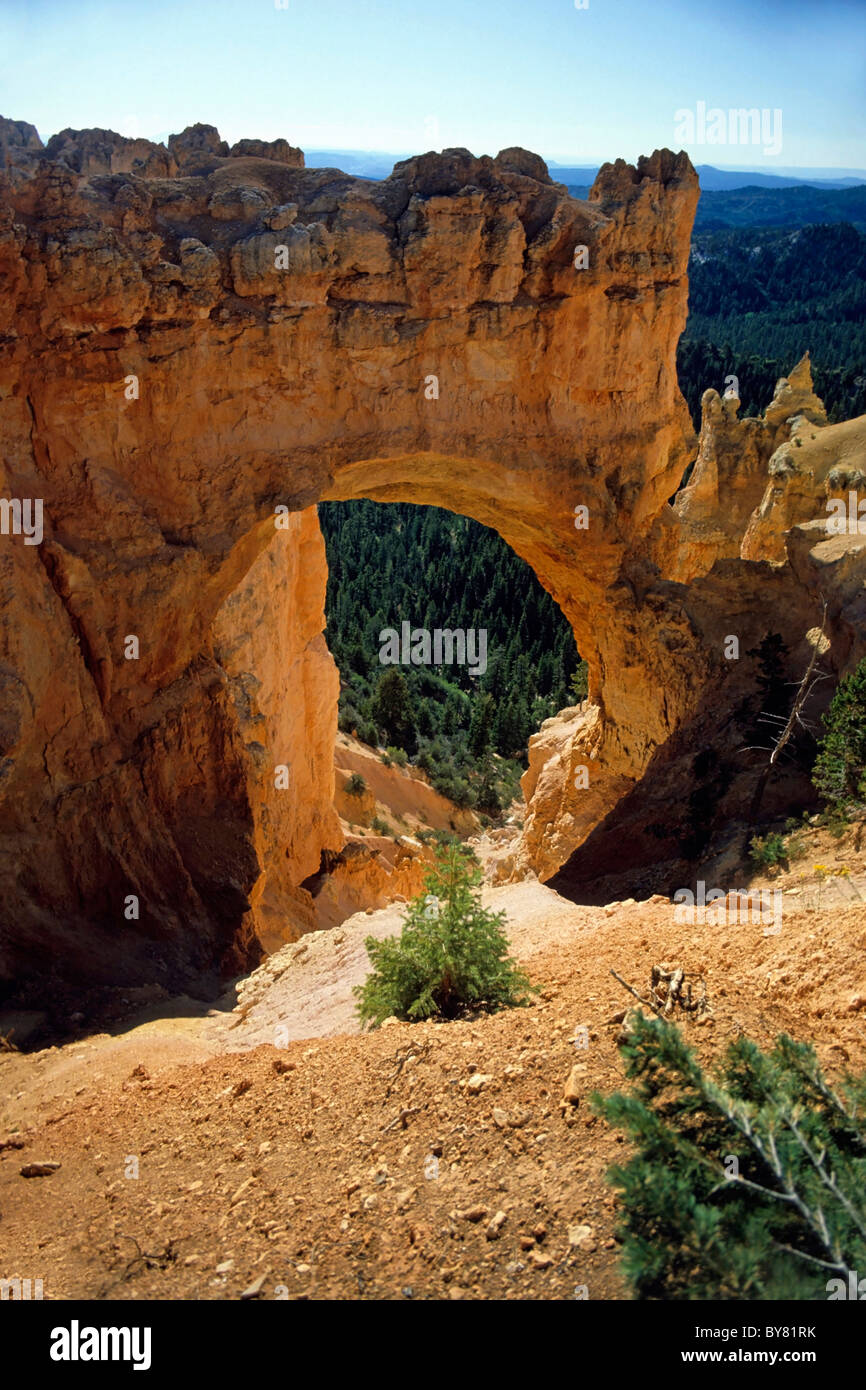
{"x": 579, "y": 1236}
{"x": 241, "y": 1087}
{"x": 224, "y": 1267}
{"x": 39, "y": 1170}
{"x": 540, "y": 1260}
{"x": 500, "y": 1118}
{"x": 476, "y": 1213}
{"x": 574, "y": 1085}
{"x": 495, "y": 1224}
{"x": 255, "y": 1288}
{"x": 241, "y": 1190}
{"x": 477, "y": 1082}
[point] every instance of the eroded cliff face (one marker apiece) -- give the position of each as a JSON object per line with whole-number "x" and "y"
{"x": 757, "y": 552}
{"x": 196, "y": 343}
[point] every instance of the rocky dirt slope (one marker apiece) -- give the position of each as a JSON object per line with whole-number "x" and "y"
{"x": 424, "y": 1161}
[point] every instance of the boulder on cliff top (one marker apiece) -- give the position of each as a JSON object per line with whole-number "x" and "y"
{"x": 196, "y": 140}
{"x": 516, "y": 160}
{"x": 279, "y": 150}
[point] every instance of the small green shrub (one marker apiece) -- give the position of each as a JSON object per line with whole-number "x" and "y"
{"x": 795, "y": 846}
{"x": 451, "y": 956}
{"x": 579, "y": 682}
{"x": 768, "y": 850}
{"x": 840, "y": 767}
{"x": 348, "y": 720}
{"x": 355, "y": 785}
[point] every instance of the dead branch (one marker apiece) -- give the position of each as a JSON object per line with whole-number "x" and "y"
{"x": 804, "y": 690}
{"x": 640, "y": 999}
{"x": 401, "y": 1119}
{"x": 670, "y": 987}
{"x": 401, "y": 1057}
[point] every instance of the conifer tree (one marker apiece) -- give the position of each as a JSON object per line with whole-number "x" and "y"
{"x": 452, "y": 953}
{"x": 840, "y": 768}
{"x": 746, "y": 1185}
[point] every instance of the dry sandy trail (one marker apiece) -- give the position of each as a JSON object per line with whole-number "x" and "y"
{"x": 327, "y": 1169}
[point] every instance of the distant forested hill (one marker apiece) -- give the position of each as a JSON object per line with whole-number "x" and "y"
{"x": 780, "y": 207}
{"x": 760, "y": 298}
{"x": 394, "y": 562}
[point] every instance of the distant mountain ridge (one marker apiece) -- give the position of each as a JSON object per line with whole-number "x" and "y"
{"x": 780, "y": 207}
{"x": 722, "y": 180}
{"x": 377, "y": 164}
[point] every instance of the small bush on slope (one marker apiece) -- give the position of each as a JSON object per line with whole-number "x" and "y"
{"x": 792, "y": 1220}
{"x": 452, "y": 954}
{"x": 840, "y": 767}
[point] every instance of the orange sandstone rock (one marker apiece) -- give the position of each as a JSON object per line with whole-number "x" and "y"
{"x": 196, "y": 342}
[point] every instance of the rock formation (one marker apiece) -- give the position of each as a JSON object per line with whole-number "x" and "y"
{"x": 198, "y": 344}
{"x": 748, "y": 538}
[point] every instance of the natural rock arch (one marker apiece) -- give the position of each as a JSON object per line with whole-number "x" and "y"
{"x": 165, "y": 388}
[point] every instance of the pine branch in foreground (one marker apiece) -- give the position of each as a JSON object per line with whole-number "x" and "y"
{"x": 746, "y": 1185}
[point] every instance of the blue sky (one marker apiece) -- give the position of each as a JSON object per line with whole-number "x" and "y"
{"x": 581, "y": 85}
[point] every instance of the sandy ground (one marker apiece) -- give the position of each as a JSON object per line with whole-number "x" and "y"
{"x": 281, "y": 1153}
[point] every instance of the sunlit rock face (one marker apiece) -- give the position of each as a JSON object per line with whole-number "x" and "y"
{"x": 198, "y": 343}
{"x": 766, "y": 542}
